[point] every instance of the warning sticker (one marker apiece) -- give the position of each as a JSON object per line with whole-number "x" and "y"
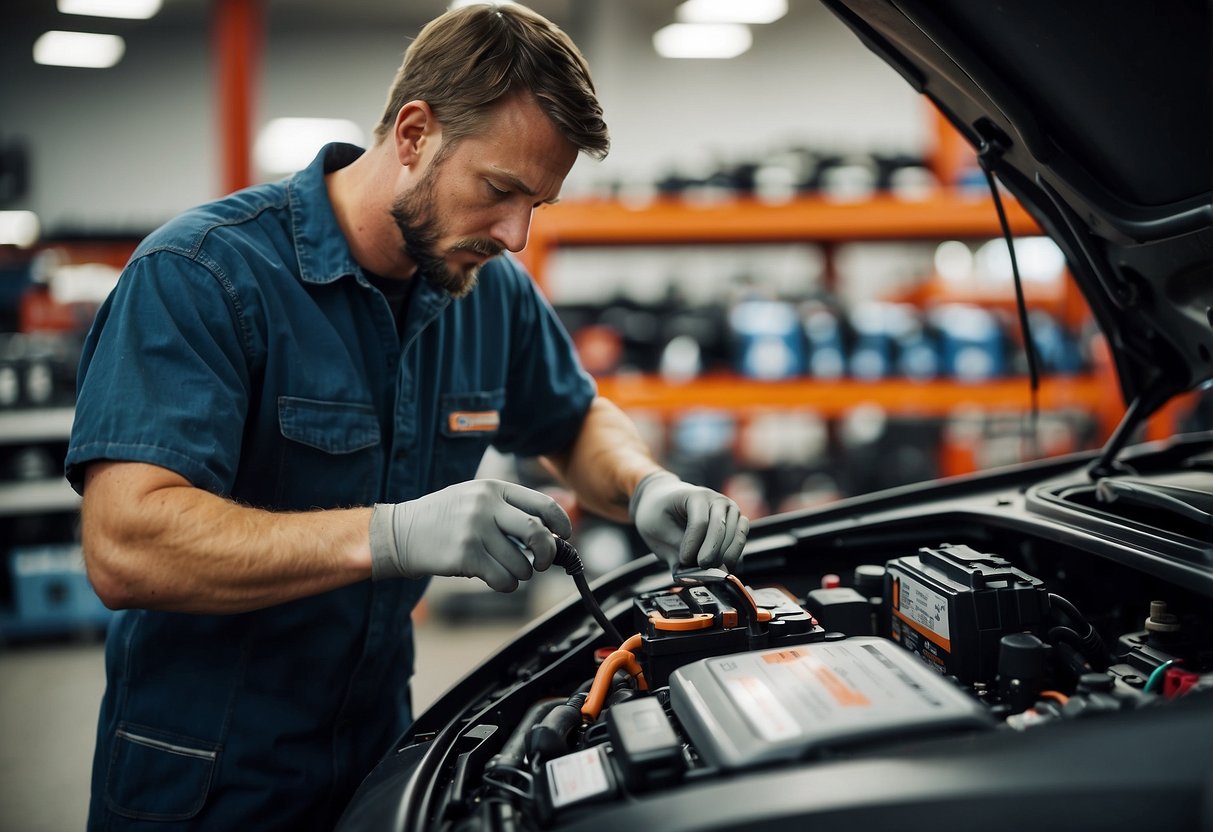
{"x": 754, "y": 698}
{"x": 923, "y": 606}
{"x": 782, "y": 656}
{"x": 576, "y": 777}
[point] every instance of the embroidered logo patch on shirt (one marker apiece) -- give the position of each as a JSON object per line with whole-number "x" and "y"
{"x": 465, "y": 421}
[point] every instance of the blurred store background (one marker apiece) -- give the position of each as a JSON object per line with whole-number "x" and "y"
{"x": 788, "y": 271}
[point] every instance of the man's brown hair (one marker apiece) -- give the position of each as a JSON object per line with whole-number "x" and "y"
{"x": 466, "y": 61}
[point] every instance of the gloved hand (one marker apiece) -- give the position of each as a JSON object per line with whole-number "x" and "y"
{"x": 461, "y": 531}
{"x": 686, "y": 524}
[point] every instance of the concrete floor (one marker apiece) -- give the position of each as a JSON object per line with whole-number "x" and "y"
{"x": 49, "y": 694}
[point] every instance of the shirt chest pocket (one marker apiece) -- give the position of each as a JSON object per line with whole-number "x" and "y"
{"x": 467, "y": 424}
{"x": 331, "y": 455}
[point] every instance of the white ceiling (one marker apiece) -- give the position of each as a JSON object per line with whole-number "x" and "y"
{"x": 20, "y": 16}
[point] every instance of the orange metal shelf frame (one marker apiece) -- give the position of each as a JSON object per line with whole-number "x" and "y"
{"x": 743, "y": 220}
{"x": 835, "y": 398}
{"x": 670, "y": 221}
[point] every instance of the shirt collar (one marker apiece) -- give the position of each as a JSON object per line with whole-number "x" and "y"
{"x": 323, "y": 252}
{"x": 324, "y": 255}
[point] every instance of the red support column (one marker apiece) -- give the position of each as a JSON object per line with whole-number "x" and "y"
{"x": 238, "y": 35}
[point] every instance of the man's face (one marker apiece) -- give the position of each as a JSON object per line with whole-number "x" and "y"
{"x": 475, "y": 198}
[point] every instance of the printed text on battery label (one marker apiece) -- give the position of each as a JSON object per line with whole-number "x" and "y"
{"x": 924, "y": 606}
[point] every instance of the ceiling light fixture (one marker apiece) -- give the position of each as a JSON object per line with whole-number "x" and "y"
{"x": 731, "y": 11}
{"x": 125, "y": 9}
{"x": 459, "y": 4}
{"x": 18, "y": 228}
{"x": 79, "y": 49}
{"x": 702, "y": 40}
{"x": 285, "y": 145}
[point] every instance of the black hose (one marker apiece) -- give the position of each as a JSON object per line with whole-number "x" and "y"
{"x": 1069, "y": 609}
{"x": 1089, "y": 643}
{"x": 568, "y": 559}
{"x": 550, "y": 738}
{"x": 513, "y": 753}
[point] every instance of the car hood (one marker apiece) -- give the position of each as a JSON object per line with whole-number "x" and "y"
{"x": 1096, "y": 116}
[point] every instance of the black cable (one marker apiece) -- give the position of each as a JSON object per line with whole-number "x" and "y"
{"x": 1066, "y": 607}
{"x": 489, "y": 779}
{"x": 1021, "y": 304}
{"x": 1090, "y": 644}
{"x": 568, "y": 559}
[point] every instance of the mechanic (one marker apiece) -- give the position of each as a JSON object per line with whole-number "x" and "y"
{"x": 281, "y": 409}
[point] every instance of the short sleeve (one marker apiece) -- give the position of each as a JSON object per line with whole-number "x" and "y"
{"x": 549, "y": 392}
{"x": 164, "y": 375}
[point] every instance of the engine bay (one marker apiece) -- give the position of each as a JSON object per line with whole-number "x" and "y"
{"x": 965, "y": 621}
{"x": 724, "y": 677}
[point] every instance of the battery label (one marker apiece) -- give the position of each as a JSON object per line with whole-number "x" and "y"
{"x": 781, "y": 704}
{"x": 920, "y": 605}
{"x": 789, "y": 693}
{"x": 576, "y": 777}
{"x": 754, "y": 698}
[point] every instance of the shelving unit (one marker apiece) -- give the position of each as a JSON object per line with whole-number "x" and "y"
{"x": 51, "y": 424}
{"x": 745, "y": 220}
{"x": 818, "y": 220}
{"x": 48, "y": 592}
{"x": 38, "y": 497}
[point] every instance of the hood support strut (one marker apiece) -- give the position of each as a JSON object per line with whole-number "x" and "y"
{"x": 989, "y": 154}
{"x": 1152, "y": 398}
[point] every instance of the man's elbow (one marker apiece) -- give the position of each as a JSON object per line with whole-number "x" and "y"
{"x": 109, "y": 583}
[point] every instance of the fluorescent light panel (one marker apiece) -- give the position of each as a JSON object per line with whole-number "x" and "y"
{"x": 285, "y": 145}
{"x": 80, "y": 49}
{"x": 731, "y": 11}
{"x": 18, "y": 228}
{"x": 702, "y": 40}
{"x": 126, "y": 9}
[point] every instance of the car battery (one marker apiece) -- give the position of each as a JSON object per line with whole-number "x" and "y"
{"x": 713, "y": 617}
{"x": 950, "y": 605}
{"x": 795, "y": 703}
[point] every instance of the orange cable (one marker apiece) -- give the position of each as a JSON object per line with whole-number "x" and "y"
{"x": 621, "y": 659}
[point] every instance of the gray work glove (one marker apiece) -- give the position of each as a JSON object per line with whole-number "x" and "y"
{"x": 461, "y": 531}
{"x": 686, "y": 524}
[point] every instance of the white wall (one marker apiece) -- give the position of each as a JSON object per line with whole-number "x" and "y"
{"x": 115, "y": 149}
{"x": 806, "y": 79}
{"x": 125, "y": 148}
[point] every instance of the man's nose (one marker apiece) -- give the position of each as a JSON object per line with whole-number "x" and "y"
{"x": 513, "y": 228}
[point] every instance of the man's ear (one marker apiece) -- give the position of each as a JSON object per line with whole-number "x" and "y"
{"x": 415, "y": 128}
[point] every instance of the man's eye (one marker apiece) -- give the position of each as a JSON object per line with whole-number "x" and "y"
{"x": 495, "y": 191}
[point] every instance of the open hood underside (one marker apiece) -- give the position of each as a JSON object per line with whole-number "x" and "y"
{"x": 1096, "y": 115}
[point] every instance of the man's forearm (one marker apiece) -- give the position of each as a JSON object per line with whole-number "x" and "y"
{"x": 605, "y": 462}
{"x": 153, "y": 541}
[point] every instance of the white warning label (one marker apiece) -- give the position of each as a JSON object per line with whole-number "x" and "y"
{"x": 578, "y": 776}
{"x": 754, "y": 698}
{"x": 923, "y": 606}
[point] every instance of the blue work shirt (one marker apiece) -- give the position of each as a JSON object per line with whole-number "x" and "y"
{"x": 244, "y": 349}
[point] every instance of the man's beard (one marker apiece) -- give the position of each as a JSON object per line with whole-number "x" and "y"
{"x": 420, "y": 232}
